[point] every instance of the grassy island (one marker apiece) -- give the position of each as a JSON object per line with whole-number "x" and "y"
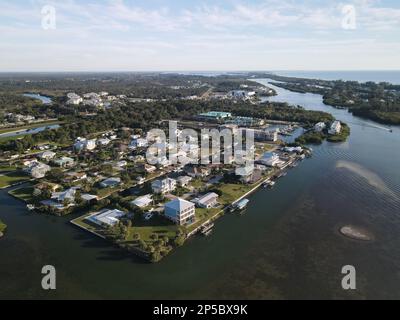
{"x": 314, "y": 137}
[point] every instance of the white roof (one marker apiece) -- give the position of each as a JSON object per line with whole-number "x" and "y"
{"x": 88, "y": 197}
{"x": 207, "y": 198}
{"x": 109, "y": 217}
{"x": 142, "y": 201}
{"x": 179, "y": 204}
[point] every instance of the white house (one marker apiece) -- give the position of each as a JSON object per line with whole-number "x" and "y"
{"x": 74, "y": 99}
{"x": 68, "y": 195}
{"x": 37, "y": 170}
{"x": 47, "y": 155}
{"x": 270, "y": 159}
{"x": 180, "y": 211}
{"x": 163, "y": 186}
{"x": 107, "y": 217}
{"x": 208, "y": 201}
{"x": 320, "y": 126}
{"x": 335, "y": 128}
{"x": 143, "y": 201}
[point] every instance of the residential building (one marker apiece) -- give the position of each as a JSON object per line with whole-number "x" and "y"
{"x": 335, "y": 128}
{"x": 143, "y": 201}
{"x": 208, "y": 201}
{"x": 245, "y": 173}
{"x": 270, "y": 159}
{"x": 183, "y": 181}
{"x": 37, "y": 170}
{"x": 64, "y": 162}
{"x": 107, "y": 217}
{"x": 180, "y": 211}
{"x": 89, "y": 197}
{"x": 110, "y": 182}
{"x": 163, "y": 186}
{"x": 320, "y": 126}
{"x": 67, "y": 195}
{"x": 47, "y": 155}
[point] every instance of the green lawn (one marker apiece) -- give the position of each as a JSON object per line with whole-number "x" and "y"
{"x": 145, "y": 229}
{"x": 11, "y": 178}
{"x": 24, "y": 194}
{"x": 231, "y": 192}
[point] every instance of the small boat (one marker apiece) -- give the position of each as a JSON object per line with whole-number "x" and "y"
{"x": 271, "y": 184}
{"x": 242, "y": 204}
{"x": 30, "y": 207}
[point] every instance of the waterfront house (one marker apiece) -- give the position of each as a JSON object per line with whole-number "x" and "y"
{"x": 143, "y": 201}
{"x": 40, "y": 187}
{"x": 335, "y": 128}
{"x": 110, "y": 182}
{"x": 163, "y": 186}
{"x": 319, "y": 127}
{"x": 210, "y": 200}
{"x": 107, "y": 217}
{"x": 245, "y": 173}
{"x": 180, "y": 211}
{"x": 270, "y": 159}
{"x": 67, "y": 195}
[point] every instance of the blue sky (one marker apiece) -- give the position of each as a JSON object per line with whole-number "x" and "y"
{"x": 137, "y": 35}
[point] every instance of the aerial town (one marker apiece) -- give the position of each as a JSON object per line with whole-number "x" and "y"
{"x": 150, "y": 209}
